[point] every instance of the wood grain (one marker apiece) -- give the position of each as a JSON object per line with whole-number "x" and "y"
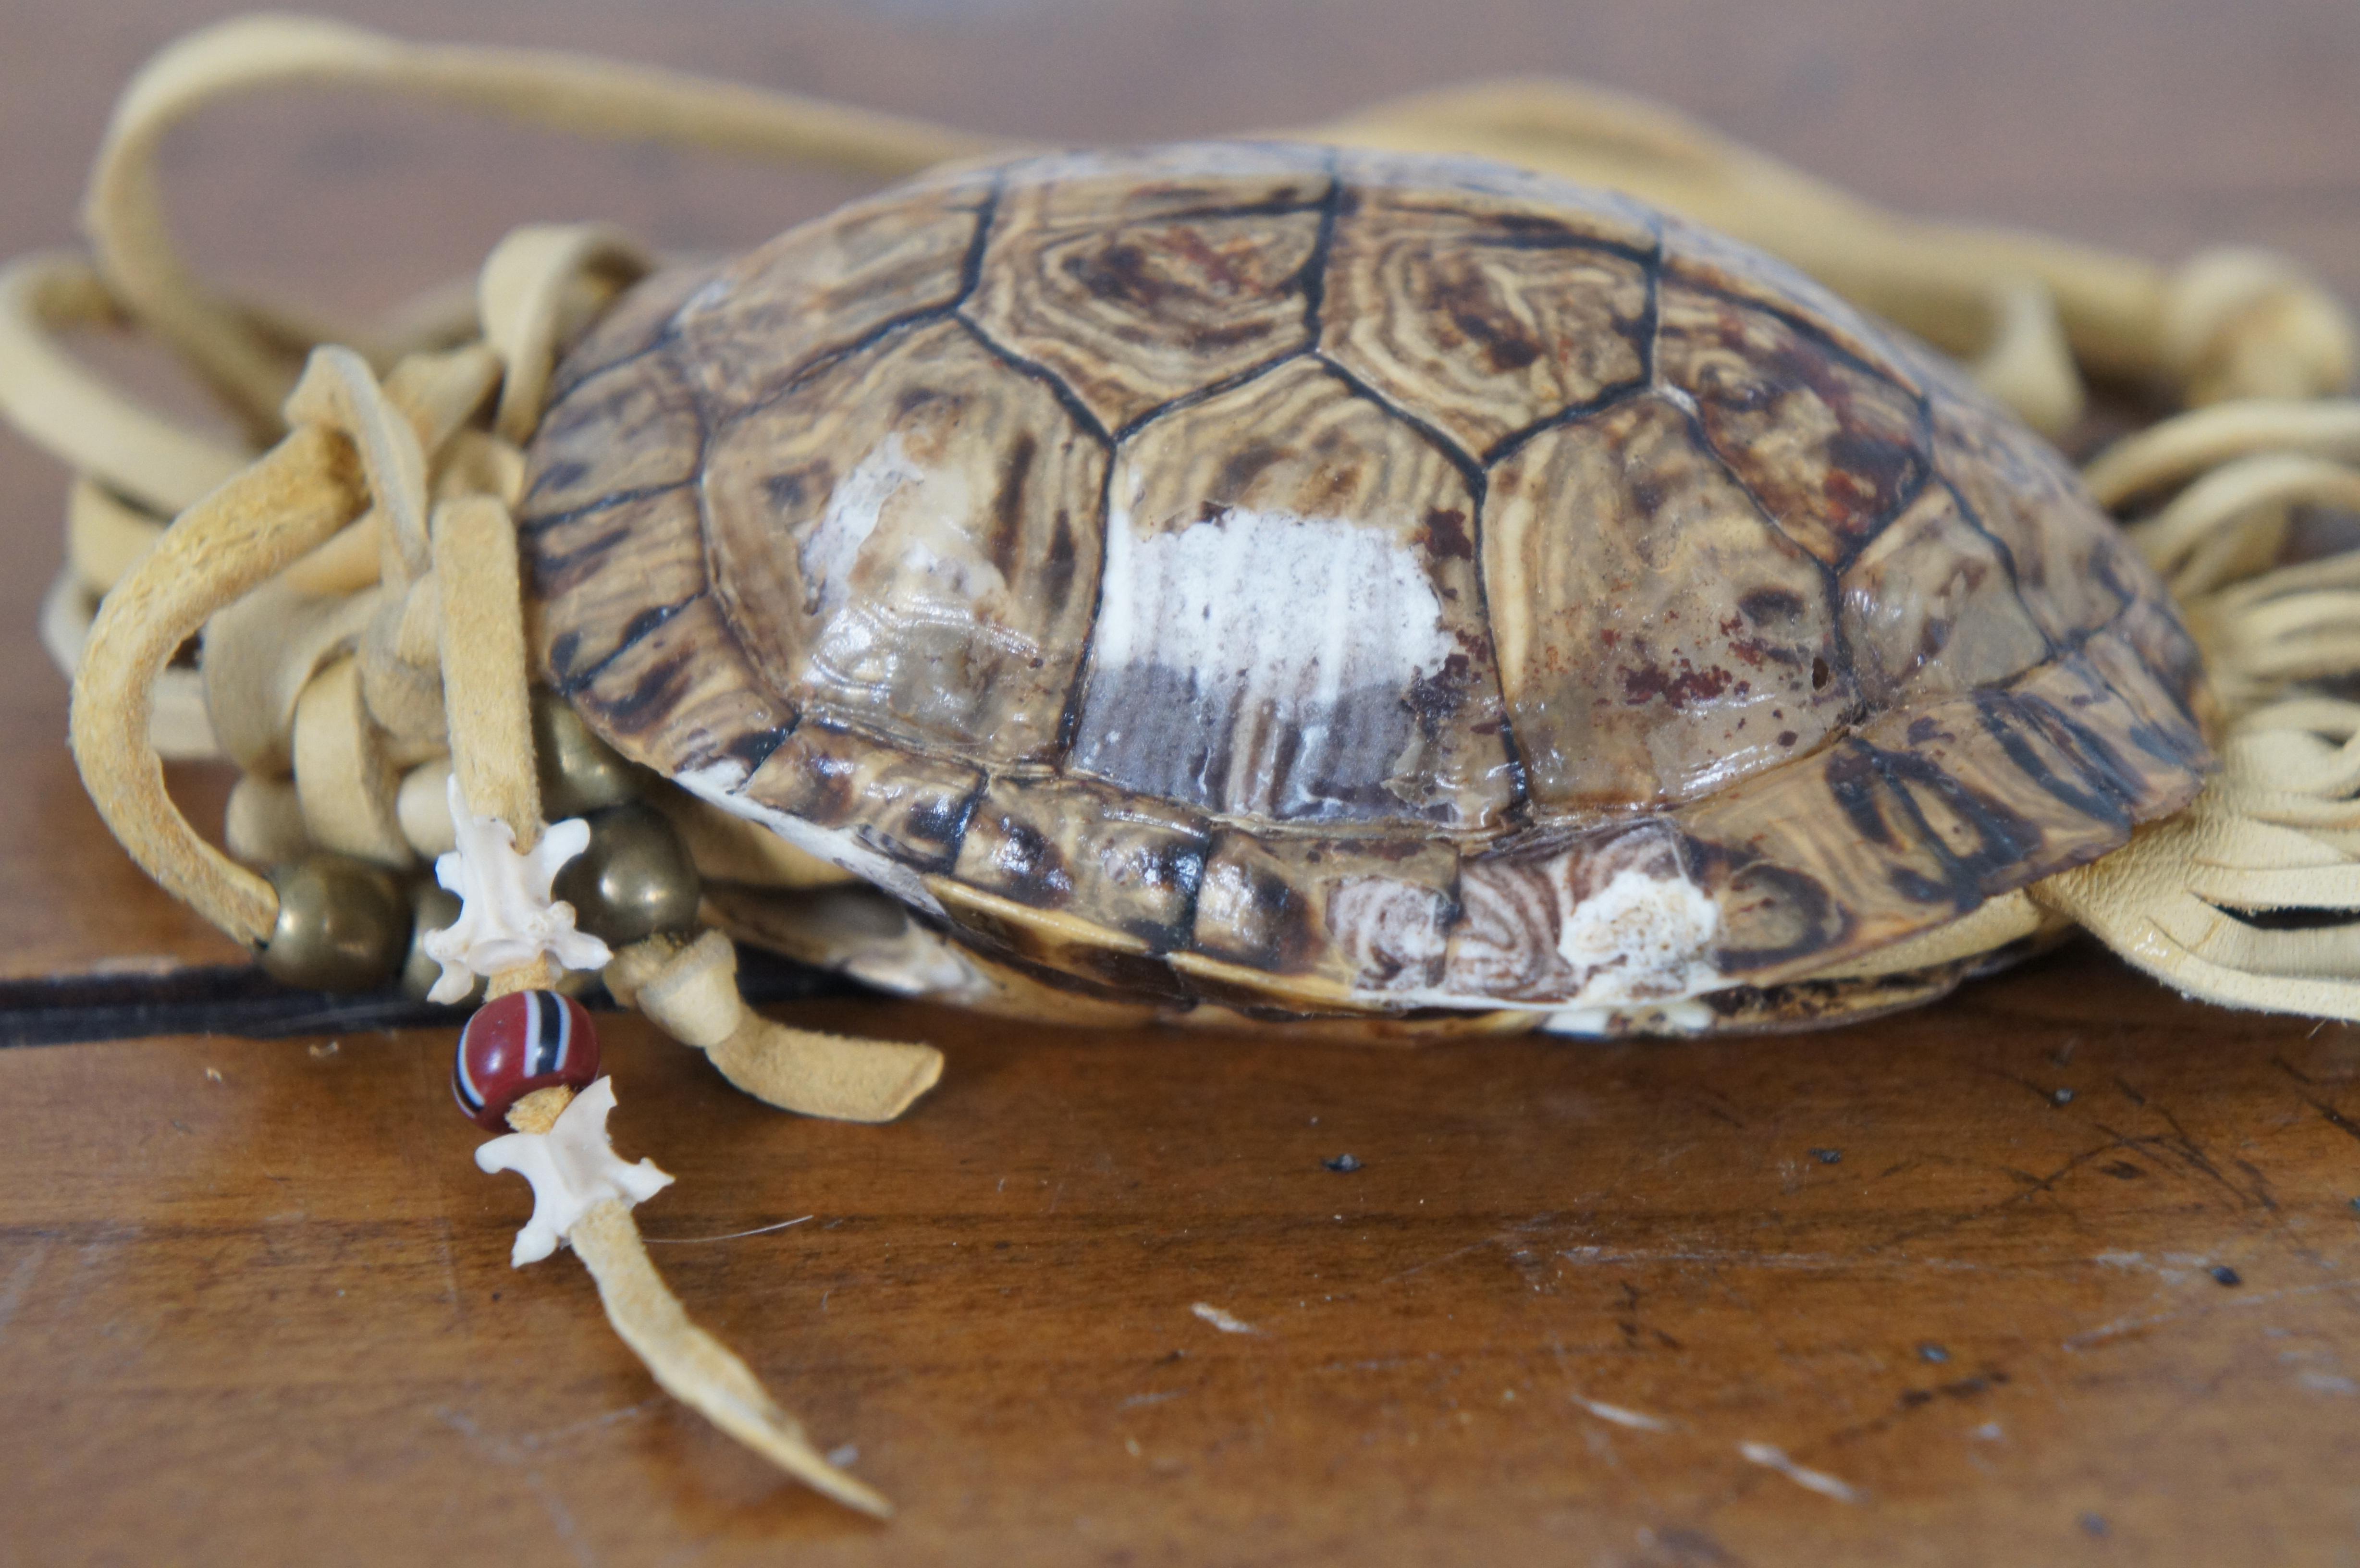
{"x": 269, "y": 1318}
{"x": 1966, "y": 1267}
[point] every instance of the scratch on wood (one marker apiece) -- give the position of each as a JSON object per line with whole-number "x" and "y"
{"x": 2335, "y": 1118}
{"x": 1221, "y": 1320}
{"x": 1456, "y": 1252}
{"x": 1637, "y": 1420}
{"x": 1514, "y": 1234}
{"x": 733, "y": 1235}
{"x": 2121, "y": 1326}
{"x": 2291, "y": 1071}
{"x": 517, "y": 1451}
{"x": 1741, "y": 1258}
{"x": 561, "y": 1519}
{"x": 2175, "y": 1268}
{"x": 520, "y": 1449}
{"x": 1803, "y": 1476}
{"x": 20, "y": 1281}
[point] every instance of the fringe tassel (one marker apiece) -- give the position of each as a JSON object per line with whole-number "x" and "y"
{"x": 2251, "y": 899}
{"x": 695, "y": 1367}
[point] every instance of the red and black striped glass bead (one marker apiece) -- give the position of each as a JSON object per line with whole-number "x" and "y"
{"x": 520, "y": 1042}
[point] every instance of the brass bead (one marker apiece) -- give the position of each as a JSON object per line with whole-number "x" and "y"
{"x": 343, "y": 924}
{"x": 579, "y": 772}
{"x": 430, "y": 909}
{"x": 634, "y": 880}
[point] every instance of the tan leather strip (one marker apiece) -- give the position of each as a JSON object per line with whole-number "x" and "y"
{"x": 695, "y": 1367}
{"x": 288, "y": 502}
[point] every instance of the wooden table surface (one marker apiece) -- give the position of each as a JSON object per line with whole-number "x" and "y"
{"x": 2063, "y": 1271}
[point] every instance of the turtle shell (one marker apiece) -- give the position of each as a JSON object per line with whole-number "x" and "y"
{"x": 1340, "y": 581}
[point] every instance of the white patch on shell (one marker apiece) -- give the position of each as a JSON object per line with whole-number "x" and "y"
{"x": 1684, "y": 1016}
{"x": 920, "y": 965}
{"x": 1297, "y": 606}
{"x": 709, "y": 296}
{"x": 1607, "y": 934}
{"x": 1639, "y": 939}
{"x": 831, "y": 545}
{"x": 889, "y": 560}
{"x": 720, "y": 782}
{"x": 904, "y": 957}
{"x": 1274, "y": 631}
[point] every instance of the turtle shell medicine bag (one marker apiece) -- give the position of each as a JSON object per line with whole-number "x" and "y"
{"x": 1509, "y": 559}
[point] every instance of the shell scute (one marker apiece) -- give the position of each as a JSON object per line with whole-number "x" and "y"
{"x": 1942, "y": 842}
{"x": 1612, "y": 917}
{"x": 1930, "y": 607}
{"x": 1292, "y": 628}
{"x": 1345, "y": 915}
{"x": 907, "y": 540}
{"x": 1700, "y": 258}
{"x": 2167, "y": 734}
{"x": 1793, "y": 902}
{"x": 2132, "y": 743}
{"x": 2071, "y": 564}
{"x": 898, "y": 803}
{"x": 2056, "y": 748}
{"x": 1124, "y": 861}
{"x": 823, "y": 288}
{"x": 607, "y": 575}
{"x": 634, "y": 324}
{"x": 1548, "y": 208}
{"x": 1830, "y": 448}
{"x": 1657, "y": 634}
{"x": 1482, "y": 321}
{"x": 1776, "y": 919}
{"x": 1053, "y": 947}
{"x": 1135, "y": 287}
{"x": 2166, "y": 654}
{"x": 628, "y": 430}
{"x": 680, "y": 696}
